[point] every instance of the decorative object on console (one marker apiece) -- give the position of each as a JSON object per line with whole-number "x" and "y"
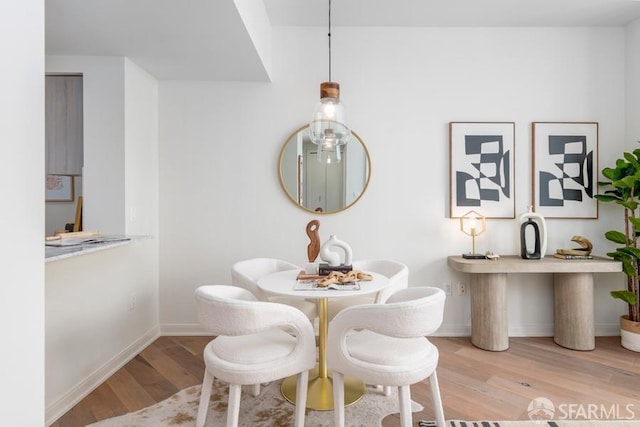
{"x": 332, "y": 258}
{"x": 491, "y": 256}
{"x": 565, "y": 158}
{"x": 328, "y": 129}
{"x": 623, "y": 188}
{"x": 539, "y": 227}
{"x": 583, "y": 252}
{"x": 482, "y": 168}
{"x": 473, "y": 224}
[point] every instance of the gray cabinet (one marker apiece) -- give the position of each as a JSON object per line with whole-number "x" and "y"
{"x": 63, "y": 124}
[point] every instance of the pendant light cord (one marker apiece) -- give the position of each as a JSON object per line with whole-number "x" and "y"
{"x": 329, "y": 40}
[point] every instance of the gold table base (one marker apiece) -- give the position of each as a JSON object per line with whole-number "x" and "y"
{"x": 320, "y": 391}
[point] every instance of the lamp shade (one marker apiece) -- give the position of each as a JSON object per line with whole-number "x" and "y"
{"x": 328, "y": 125}
{"x": 329, "y": 153}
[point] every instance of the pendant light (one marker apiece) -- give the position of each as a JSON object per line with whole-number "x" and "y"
{"x": 328, "y": 129}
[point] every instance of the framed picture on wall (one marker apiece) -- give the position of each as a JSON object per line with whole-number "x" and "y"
{"x": 482, "y": 169}
{"x": 564, "y": 167}
{"x": 59, "y": 188}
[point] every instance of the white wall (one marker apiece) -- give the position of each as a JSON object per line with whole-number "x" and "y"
{"x": 221, "y": 198}
{"x": 141, "y": 151}
{"x": 22, "y": 178}
{"x": 104, "y": 138}
{"x": 91, "y": 330}
{"x": 633, "y": 82}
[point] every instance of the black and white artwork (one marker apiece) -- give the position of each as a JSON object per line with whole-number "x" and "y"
{"x": 482, "y": 168}
{"x": 565, "y": 165}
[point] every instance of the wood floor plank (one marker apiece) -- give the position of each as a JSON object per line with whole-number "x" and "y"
{"x": 187, "y": 360}
{"x": 104, "y": 403}
{"x": 148, "y": 377}
{"x": 169, "y": 368}
{"x": 474, "y": 384}
{"x": 132, "y": 395}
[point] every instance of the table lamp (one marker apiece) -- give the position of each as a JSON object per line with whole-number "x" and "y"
{"x": 473, "y": 224}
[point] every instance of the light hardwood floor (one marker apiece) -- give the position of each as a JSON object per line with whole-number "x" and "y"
{"x": 475, "y": 384}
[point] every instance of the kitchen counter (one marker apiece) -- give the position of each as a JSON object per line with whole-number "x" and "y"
{"x": 90, "y": 245}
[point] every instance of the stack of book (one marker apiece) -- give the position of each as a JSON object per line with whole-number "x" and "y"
{"x": 571, "y": 256}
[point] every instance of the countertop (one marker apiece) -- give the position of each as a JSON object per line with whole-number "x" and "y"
{"x": 92, "y": 244}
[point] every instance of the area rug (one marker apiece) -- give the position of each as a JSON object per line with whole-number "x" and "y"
{"x": 541, "y": 423}
{"x": 269, "y": 409}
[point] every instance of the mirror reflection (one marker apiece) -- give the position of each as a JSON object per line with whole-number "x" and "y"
{"x": 323, "y": 181}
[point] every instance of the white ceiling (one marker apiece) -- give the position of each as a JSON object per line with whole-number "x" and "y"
{"x": 217, "y": 39}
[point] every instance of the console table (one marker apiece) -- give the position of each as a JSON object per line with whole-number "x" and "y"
{"x": 572, "y": 297}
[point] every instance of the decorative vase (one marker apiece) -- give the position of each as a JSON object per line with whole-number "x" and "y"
{"x": 537, "y": 223}
{"x": 331, "y": 257}
{"x": 629, "y": 334}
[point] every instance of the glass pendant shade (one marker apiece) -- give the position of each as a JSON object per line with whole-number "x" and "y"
{"x": 329, "y": 153}
{"x": 328, "y": 125}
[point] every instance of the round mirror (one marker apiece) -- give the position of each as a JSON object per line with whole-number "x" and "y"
{"x": 322, "y": 182}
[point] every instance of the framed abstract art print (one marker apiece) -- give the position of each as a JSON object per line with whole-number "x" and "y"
{"x": 565, "y": 168}
{"x": 482, "y": 168}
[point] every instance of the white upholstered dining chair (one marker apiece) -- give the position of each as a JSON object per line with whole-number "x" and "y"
{"x": 247, "y": 272}
{"x": 397, "y": 272}
{"x": 251, "y": 346}
{"x": 386, "y": 344}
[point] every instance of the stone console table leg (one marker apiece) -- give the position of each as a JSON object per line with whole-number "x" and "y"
{"x": 573, "y": 310}
{"x": 489, "y": 327}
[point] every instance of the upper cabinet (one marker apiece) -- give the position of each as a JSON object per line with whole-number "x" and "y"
{"x": 63, "y": 121}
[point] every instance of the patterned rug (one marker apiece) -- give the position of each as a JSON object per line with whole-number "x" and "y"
{"x": 269, "y": 409}
{"x": 541, "y": 423}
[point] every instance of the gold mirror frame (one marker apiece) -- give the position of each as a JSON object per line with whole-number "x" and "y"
{"x": 295, "y": 184}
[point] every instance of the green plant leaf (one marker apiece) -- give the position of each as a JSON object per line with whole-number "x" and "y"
{"x": 607, "y": 197}
{"x": 632, "y": 205}
{"x": 626, "y": 182}
{"x": 631, "y": 158}
{"x": 616, "y": 237}
{"x": 626, "y": 296}
{"x": 634, "y": 252}
{"x": 635, "y": 221}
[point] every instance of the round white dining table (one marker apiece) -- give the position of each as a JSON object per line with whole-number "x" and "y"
{"x": 320, "y": 392}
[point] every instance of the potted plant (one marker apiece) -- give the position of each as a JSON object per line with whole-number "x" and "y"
{"x": 623, "y": 188}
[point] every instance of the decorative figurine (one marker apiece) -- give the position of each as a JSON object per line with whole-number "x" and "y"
{"x": 583, "y": 252}
{"x": 313, "y": 249}
{"x": 539, "y": 226}
{"x": 332, "y": 258}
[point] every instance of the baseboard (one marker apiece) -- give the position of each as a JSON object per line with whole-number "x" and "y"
{"x": 531, "y": 330}
{"x": 59, "y": 407}
{"x": 526, "y": 330}
{"x": 607, "y": 329}
{"x": 183, "y": 329}
{"x": 453, "y": 331}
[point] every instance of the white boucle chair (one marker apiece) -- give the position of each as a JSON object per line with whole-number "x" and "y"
{"x": 397, "y": 272}
{"x": 246, "y": 274}
{"x": 386, "y": 344}
{"x": 251, "y": 346}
